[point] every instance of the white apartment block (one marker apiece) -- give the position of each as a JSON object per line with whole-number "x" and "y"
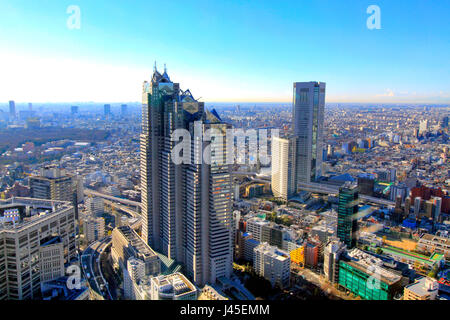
{"x": 272, "y": 264}
{"x": 94, "y": 228}
{"x": 284, "y": 180}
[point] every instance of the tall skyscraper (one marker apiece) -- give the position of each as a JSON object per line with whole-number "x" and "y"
{"x": 74, "y": 110}
{"x": 284, "y": 175}
{"x": 123, "y": 110}
{"x": 186, "y": 207}
{"x": 308, "y": 115}
{"x": 347, "y": 225}
{"x": 107, "y": 109}
{"x": 12, "y": 110}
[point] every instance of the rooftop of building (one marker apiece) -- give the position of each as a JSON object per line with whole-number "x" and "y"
{"x": 272, "y": 251}
{"x": 57, "y": 290}
{"x": 30, "y": 210}
{"x": 173, "y": 284}
{"x": 420, "y": 288}
{"x": 50, "y": 240}
{"x": 432, "y": 237}
{"x": 372, "y": 265}
{"x": 136, "y": 242}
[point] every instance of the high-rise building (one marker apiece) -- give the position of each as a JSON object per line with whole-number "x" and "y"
{"x": 444, "y": 122}
{"x": 37, "y": 237}
{"x": 366, "y": 184}
{"x": 423, "y": 126}
{"x": 123, "y": 110}
{"x": 134, "y": 272}
{"x": 399, "y": 189}
{"x": 74, "y": 110}
{"x": 94, "y": 228}
{"x": 347, "y": 210}
{"x": 272, "y": 264}
{"x": 417, "y": 206}
{"x": 53, "y": 183}
{"x": 186, "y": 207}
{"x": 308, "y": 115}
{"x": 95, "y": 206}
{"x": 127, "y": 244}
{"x": 332, "y": 254}
{"x": 284, "y": 175}
{"x": 107, "y": 110}
{"x": 12, "y": 110}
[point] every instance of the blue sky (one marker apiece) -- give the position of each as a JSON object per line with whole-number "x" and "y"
{"x": 249, "y": 50}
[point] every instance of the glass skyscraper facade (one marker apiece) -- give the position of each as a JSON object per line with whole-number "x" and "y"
{"x": 308, "y": 116}
{"x": 347, "y": 210}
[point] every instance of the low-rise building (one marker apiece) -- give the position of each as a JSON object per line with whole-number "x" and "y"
{"x": 424, "y": 288}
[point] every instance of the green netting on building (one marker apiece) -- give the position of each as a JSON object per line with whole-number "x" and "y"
{"x": 358, "y": 282}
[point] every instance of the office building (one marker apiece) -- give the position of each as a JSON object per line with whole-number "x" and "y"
{"x": 53, "y": 183}
{"x": 311, "y": 254}
{"x": 423, "y": 126}
{"x": 95, "y": 206}
{"x": 132, "y": 274}
{"x": 347, "y": 225}
{"x": 123, "y": 110}
{"x": 417, "y": 206}
{"x": 12, "y": 110}
{"x": 399, "y": 189}
{"x": 444, "y": 122}
{"x": 107, "y": 110}
{"x": 284, "y": 179}
{"x": 186, "y": 207}
{"x": 249, "y": 246}
{"x": 308, "y": 115}
{"x": 74, "y": 110}
{"x": 127, "y": 244}
{"x": 364, "y": 275}
{"x": 272, "y": 264}
{"x": 172, "y": 287}
{"x": 51, "y": 258}
{"x": 332, "y": 254}
{"x": 93, "y": 228}
{"x": 366, "y": 184}
{"x": 30, "y": 230}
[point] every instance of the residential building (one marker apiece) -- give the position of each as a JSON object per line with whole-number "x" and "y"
{"x": 424, "y": 288}
{"x": 93, "y": 228}
{"x": 332, "y": 253}
{"x": 283, "y": 178}
{"x": 272, "y": 264}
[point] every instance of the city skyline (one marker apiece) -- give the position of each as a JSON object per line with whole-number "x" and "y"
{"x": 405, "y": 61}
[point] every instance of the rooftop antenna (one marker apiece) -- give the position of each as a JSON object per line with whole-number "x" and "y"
{"x": 154, "y": 67}
{"x": 165, "y": 69}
